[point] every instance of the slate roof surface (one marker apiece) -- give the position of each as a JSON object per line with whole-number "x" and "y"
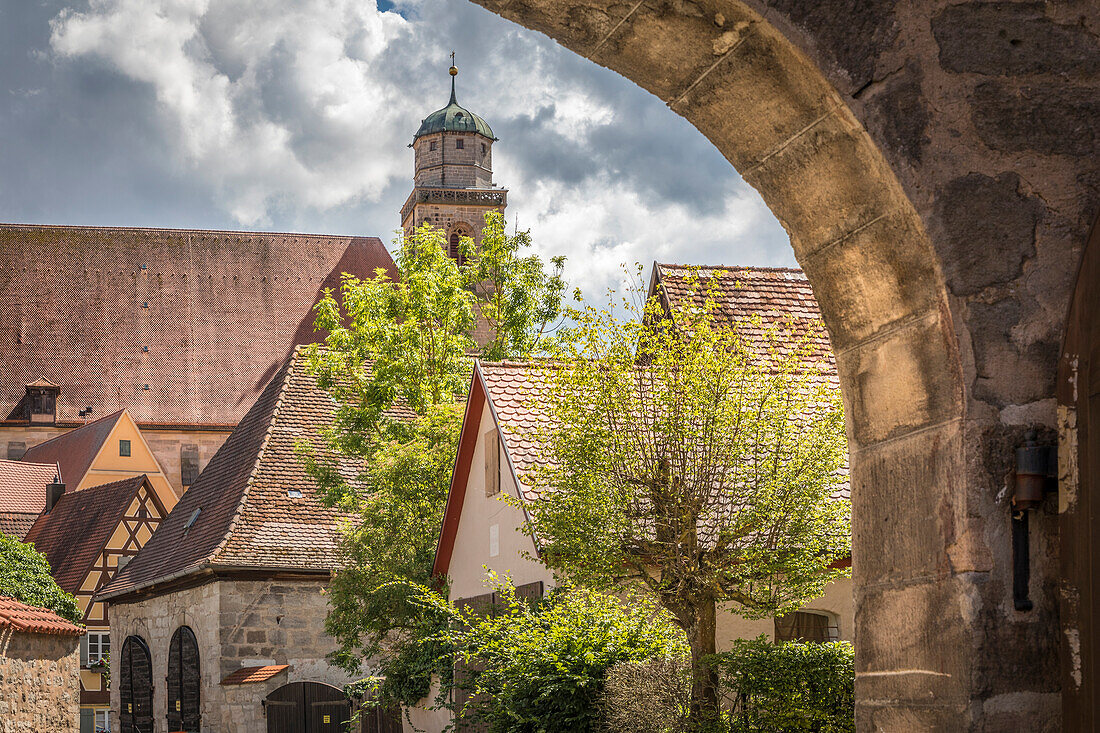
{"x": 219, "y": 312}
{"x": 75, "y": 450}
{"x": 246, "y": 517}
{"x": 23, "y": 485}
{"x": 247, "y": 675}
{"x": 34, "y": 620}
{"x": 775, "y": 294}
{"x": 74, "y": 533}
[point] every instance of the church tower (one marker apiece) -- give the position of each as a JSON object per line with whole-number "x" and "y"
{"x": 453, "y": 185}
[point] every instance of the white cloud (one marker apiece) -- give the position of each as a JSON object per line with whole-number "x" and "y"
{"x": 293, "y": 108}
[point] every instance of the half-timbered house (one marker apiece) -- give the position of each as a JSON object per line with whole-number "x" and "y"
{"x": 86, "y": 536}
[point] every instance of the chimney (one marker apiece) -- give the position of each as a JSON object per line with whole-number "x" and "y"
{"x": 54, "y": 492}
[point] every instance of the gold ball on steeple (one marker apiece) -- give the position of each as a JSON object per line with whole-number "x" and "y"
{"x": 454, "y": 71}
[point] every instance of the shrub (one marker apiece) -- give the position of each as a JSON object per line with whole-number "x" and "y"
{"x": 653, "y": 696}
{"x": 789, "y": 687}
{"x": 25, "y": 576}
{"x": 541, "y": 668}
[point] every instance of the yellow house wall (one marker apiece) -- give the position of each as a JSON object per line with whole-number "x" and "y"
{"x": 165, "y": 444}
{"x": 109, "y": 466}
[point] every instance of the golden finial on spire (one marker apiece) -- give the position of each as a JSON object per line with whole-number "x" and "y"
{"x": 454, "y": 69}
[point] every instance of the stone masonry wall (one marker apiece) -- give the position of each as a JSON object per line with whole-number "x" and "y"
{"x": 471, "y": 166}
{"x": 237, "y": 624}
{"x": 39, "y": 683}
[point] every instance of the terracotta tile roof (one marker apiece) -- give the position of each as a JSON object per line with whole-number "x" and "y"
{"x": 34, "y": 620}
{"x": 218, "y": 311}
{"x": 75, "y": 450}
{"x": 16, "y": 524}
{"x": 74, "y": 533}
{"x": 23, "y": 485}
{"x": 246, "y": 516}
{"x": 246, "y": 675}
{"x": 775, "y": 294}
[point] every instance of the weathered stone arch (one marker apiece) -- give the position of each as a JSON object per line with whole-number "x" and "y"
{"x": 936, "y": 166}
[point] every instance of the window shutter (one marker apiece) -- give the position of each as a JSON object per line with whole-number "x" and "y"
{"x": 87, "y": 720}
{"x": 84, "y": 650}
{"x": 492, "y": 463}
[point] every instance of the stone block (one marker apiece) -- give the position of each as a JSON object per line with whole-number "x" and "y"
{"x": 864, "y": 287}
{"x": 574, "y": 24}
{"x": 755, "y": 100}
{"x": 905, "y": 380}
{"x": 905, "y": 512}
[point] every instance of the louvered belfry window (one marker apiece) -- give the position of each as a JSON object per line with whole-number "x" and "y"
{"x": 183, "y": 682}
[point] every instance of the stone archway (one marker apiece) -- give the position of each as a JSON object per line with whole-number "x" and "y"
{"x": 887, "y": 139}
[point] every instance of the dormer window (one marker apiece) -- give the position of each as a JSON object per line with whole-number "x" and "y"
{"x": 460, "y": 143}
{"x": 41, "y": 401}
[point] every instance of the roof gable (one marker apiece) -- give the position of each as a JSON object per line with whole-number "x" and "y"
{"x": 178, "y": 326}
{"x": 23, "y": 485}
{"x": 76, "y": 450}
{"x": 74, "y": 533}
{"x": 253, "y": 506}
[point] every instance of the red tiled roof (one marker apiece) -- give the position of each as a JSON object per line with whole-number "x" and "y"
{"x": 16, "y": 524}
{"x": 218, "y": 311}
{"x": 775, "y": 294}
{"x": 246, "y": 675}
{"x": 75, "y": 450}
{"x": 23, "y": 485}
{"x": 34, "y": 620}
{"x": 246, "y": 516}
{"x": 74, "y": 533}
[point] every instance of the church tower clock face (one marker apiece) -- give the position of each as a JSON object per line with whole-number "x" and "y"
{"x": 453, "y": 185}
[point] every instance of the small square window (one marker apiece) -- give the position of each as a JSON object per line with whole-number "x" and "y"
{"x": 484, "y": 149}
{"x": 431, "y": 145}
{"x": 124, "y": 447}
{"x": 460, "y": 144}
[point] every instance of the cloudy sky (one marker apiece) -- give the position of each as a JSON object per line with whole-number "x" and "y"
{"x": 294, "y": 115}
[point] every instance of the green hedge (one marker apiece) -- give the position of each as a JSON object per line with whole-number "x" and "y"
{"x": 789, "y": 687}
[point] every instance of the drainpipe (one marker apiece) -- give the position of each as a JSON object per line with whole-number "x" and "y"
{"x": 1036, "y": 474}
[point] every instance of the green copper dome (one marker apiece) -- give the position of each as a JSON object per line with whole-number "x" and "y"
{"x": 454, "y": 118}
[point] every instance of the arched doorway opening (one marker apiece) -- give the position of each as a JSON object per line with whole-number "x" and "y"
{"x": 135, "y": 686}
{"x": 1079, "y": 449}
{"x": 183, "y": 682}
{"x": 307, "y": 707}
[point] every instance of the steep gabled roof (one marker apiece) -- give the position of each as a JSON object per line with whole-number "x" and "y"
{"x": 775, "y": 294}
{"x": 17, "y": 524}
{"x": 75, "y": 450}
{"x": 23, "y": 485}
{"x": 74, "y": 533}
{"x": 178, "y": 326}
{"x": 34, "y": 620}
{"x": 244, "y": 510}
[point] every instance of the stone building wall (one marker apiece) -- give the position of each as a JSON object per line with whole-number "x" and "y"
{"x": 446, "y": 217}
{"x": 237, "y": 623}
{"x": 39, "y": 683}
{"x": 447, "y": 165}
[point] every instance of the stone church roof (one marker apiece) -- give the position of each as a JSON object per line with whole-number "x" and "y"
{"x": 178, "y": 326}
{"x": 253, "y": 506}
{"x": 74, "y": 533}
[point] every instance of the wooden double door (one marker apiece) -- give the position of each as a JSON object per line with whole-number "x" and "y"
{"x": 307, "y": 707}
{"x": 135, "y": 687}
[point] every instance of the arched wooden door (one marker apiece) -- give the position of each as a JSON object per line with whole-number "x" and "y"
{"x": 183, "y": 682}
{"x": 307, "y": 707}
{"x": 135, "y": 686}
{"x": 1079, "y": 500}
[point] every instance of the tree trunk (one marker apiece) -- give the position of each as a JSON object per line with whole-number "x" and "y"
{"x": 704, "y": 680}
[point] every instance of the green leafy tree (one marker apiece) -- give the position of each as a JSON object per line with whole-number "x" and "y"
{"x": 397, "y": 358}
{"x": 25, "y": 576}
{"x": 540, "y": 667}
{"x": 694, "y": 457}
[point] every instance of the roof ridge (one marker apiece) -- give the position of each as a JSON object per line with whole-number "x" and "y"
{"x": 243, "y": 501}
{"x": 184, "y": 230}
{"x": 751, "y": 268}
